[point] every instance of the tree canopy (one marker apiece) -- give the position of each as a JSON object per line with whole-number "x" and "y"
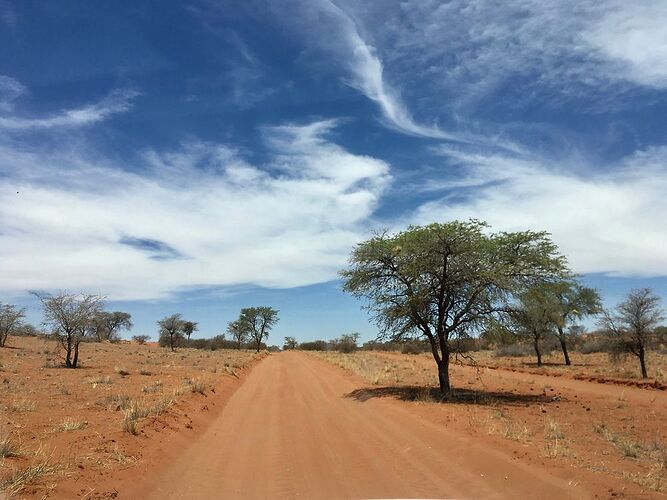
{"x": 443, "y": 281}
{"x": 256, "y": 322}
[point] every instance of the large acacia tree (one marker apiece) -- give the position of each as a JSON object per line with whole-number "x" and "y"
{"x": 444, "y": 281}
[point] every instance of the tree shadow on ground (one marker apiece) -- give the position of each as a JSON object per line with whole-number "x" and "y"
{"x": 456, "y": 396}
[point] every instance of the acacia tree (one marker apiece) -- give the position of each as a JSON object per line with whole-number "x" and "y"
{"x": 533, "y": 317}
{"x": 11, "y": 320}
{"x": 572, "y": 302}
{"x": 70, "y": 317}
{"x": 257, "y": 322}
{"x": 171, "y": 331}
{"x": 239, "y": 332}
{"x": 633, "y": 323}
{"x": 444, "y": 281}
{"x": 189, "y": 327}
{"x": 107, "y": 325}
{"x": 290, "y": 344}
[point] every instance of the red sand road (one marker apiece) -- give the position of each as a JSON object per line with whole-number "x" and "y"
{"x": 290, "y": 431}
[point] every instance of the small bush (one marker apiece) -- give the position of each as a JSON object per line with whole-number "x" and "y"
{"x": 141, "y": 339}
{"x": 121, "y": 371}
{"x": 595, "y": 345}
{"x": 517, "y": 350}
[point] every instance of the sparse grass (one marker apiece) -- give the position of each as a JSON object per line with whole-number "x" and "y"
{"x": 626, "y": 446}
{"x": 8, "y": 448}
{"x": 95, "y": 381}
{"x": 23, "y": 405}
{"x": 554, "y": 440}
{"x": 196, "y": 385}
{"x": 121, "y": 371}
{"x": 42, "y": 466}
{"x": 145, "y": 371}
{"x": 131, "y": 416}
{"x": 514, "y": 431}
{"x": 69, "y": 425}
{"x": 152, "y": 388}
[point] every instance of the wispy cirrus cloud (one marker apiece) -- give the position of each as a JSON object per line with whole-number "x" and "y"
{"x": 10, "y": 90}
{"x": 71, "y": 222}
{"x": 452, "y": 56}
{"x": 117, "y": 101}
{"x": 607, "y": 222}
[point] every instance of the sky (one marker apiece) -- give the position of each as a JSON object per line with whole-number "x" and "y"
{"x": 202, "y": 156}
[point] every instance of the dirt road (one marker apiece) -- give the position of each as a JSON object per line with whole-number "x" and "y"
{"x": 290, "y": 431}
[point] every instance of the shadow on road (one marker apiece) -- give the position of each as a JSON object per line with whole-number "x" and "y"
{"x": 456, "y": 396}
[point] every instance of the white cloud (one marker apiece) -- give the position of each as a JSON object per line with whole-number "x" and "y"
{"x": 635, "y": 35}
{"x": 367, "y": 76}
{"x": 451, "y": 55}
{"x": 291, "y": 222}
{"x": 610, "y": 222}
{"x": 116, "y": 102}
{"x": 364, "y": 69}
{"x": 10, "y": 90}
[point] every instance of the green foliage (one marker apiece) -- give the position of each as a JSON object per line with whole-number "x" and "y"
{"x": 254, "y": 323}
{"x": 444, "y": 281}
{"x": 171, "y": 331}
{"x": 290, "y": 344}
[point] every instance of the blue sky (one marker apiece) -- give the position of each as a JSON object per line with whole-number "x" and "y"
{"x": 202, "y": 156}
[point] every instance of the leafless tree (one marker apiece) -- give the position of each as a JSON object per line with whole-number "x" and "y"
{"x": 11, "y": 319}
{"x": 70, "y": 317}
{"x": 633, "y": 323}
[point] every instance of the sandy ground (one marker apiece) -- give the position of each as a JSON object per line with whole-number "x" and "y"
{"x": 294, "y": 429}
{"x": 597, "y": 367}
{"x": 610, "y": 438}
{"x": 66, "y": 426}
{"x": 324, "y": 425}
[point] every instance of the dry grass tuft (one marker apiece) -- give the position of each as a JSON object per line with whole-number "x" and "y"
{"x": 42, "y": 466}
{"x": 121, "y": 371}
{"x": 23, "y": 406}
{"x": 7, "y": 447}
{"x": 95, "y": 381}
{"x": 196, "y": 385}
{"x": 70, "y": 425}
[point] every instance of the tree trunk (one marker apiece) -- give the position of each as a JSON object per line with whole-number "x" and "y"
{"x": 563, "y": 345}
{"x": 171, "y": 342}
{"x": 3, "y": 339}
{"x": 536, "y": 345}
{"x": 642, "y": 362}
{"x": 68, "y": 355}
{"x": 259, "y": 343}
{"x": 443, "y": 376}
{"x": 75, "y": 360}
